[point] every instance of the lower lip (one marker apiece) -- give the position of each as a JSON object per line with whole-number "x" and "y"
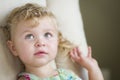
{"x": 40, "y": 54}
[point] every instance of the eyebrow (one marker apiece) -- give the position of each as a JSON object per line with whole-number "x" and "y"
{"x": 26, "y": 31}
{"x": 51, "y": 30}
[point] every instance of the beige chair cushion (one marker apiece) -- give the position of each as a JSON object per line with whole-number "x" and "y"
{"x": 9, "y": 66}
{"x": 71, "y": 26}
{"x": 70, "y": 22}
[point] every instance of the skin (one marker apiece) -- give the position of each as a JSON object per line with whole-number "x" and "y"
{"x": 87, "y": 62}
{"x": 37, "y": 48}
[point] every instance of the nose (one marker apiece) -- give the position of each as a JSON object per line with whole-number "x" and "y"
{"x": 40, "y": 43}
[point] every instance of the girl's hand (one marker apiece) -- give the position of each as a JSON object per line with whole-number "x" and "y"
{"x": 85, "y": 61}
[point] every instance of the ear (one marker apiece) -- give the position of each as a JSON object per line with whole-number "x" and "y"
{"x": 12, "y": 47}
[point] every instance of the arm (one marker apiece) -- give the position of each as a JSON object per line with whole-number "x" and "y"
{"x": 87, "y": 62}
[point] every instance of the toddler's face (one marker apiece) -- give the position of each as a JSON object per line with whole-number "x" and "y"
{"x": 35, "y": 46}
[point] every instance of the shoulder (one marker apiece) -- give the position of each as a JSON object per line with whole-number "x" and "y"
{"x": 68, "y": 75}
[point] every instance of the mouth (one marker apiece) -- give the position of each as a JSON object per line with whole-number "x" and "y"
{"x": 40, "y": 53}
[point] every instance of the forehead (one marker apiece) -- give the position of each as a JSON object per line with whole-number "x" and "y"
{"x": 37, "y": 21}
{"x": 42, "y": 23}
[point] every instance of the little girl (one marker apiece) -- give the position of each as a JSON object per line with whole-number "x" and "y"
{"x": 34, "y": 38}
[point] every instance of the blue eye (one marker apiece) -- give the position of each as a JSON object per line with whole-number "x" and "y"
{"x": 48, "y": 35}
{"x": 29, "y": 36}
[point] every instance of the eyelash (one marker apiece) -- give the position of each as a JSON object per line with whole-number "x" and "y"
{"x": 48, "y": 35}
{"x": 29, "y": 36}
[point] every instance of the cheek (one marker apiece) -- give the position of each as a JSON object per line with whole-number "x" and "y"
{"x": 54, "y": 46}
{"x": 24, "y": 52}
{"x": 23, "y": 48}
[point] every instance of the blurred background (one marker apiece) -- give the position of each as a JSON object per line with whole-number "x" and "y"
{"x": 101, "y": 20}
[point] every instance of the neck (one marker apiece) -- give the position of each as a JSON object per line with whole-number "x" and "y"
{"x": 42, "y": 71}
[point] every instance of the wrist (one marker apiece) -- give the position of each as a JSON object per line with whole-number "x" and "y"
{"x": 95, "y": 74}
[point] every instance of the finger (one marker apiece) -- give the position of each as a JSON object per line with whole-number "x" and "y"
{"x": 76, "y": 56}
{"x": 75, "y": 52}
{"x": 78, "y": 51}
{"x": 71, "y": 53}
{"x": 72, "y": 56}
{"x": 89, "y": 52}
